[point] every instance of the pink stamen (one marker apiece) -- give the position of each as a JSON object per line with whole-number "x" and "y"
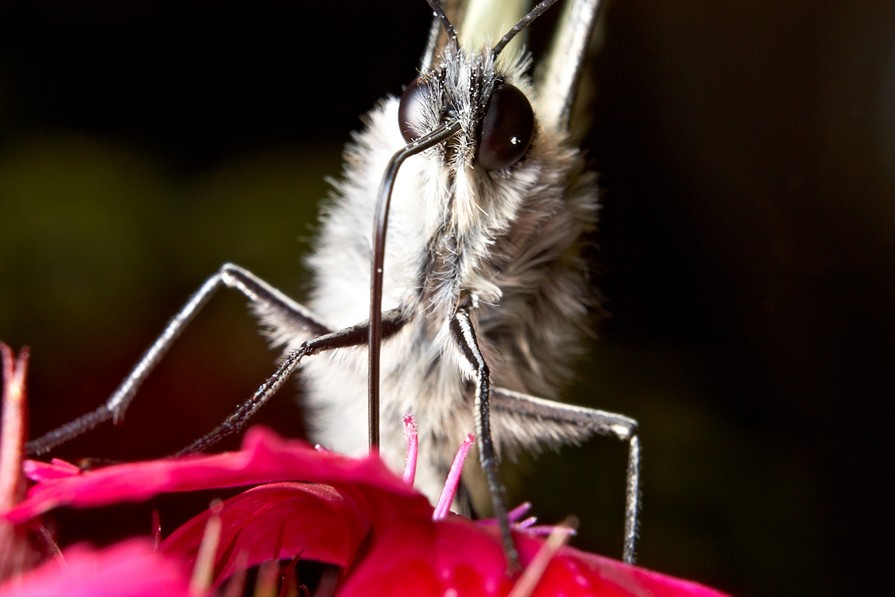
{"x": 528, "y": 524}
{"x": 519, "y": 511}
{"x": 453, "y": 480}
{"x": 12, "y": 431}
{"x": 156, "y": 529}
{"x": 533, "y": 573}
{"x": 543, "y": 530}
{"x": 412, "y": 439}
{"x": 203, "y": 568}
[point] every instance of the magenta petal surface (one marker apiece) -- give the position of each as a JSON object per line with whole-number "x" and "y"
{"x": 352, "y": 513}
{"x": 573, "y": 572}
{"x": 42, "y": 471}
{"x": 130, "y": 569}
{"x": 456, "y": 556}
{"x": 432, "y": 558}
{"x": 277, "y": 521}
{"x": 264, "y": 458}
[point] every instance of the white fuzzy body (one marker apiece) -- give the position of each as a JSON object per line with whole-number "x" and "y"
{"x": 508, "y": 240}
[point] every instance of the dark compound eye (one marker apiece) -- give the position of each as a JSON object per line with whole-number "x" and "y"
{"x": 413, "y": 109}
{"x": 507, "y": 128}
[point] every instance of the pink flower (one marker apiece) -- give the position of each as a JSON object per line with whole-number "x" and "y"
{"x": 381, "y": 536}
{"x": 130, "y": 568}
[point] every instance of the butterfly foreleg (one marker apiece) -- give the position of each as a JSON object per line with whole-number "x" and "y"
{"x": 556, "y": 423}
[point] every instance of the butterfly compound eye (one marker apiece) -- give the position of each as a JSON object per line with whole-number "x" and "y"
{"x": 412, "y": 110}
{"x": 507, "y": 128}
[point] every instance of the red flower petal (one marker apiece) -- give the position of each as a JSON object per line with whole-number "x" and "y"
{"x": 277, "y": 521}
{"x": 418, "y": 557}
{"x": 41, "y": 471}
{"x": 354, "y": 504}
{"x": 573, "y": 572}
{"x": 265, "y": 457}
{"x": 456, "y": 556}
{"x": 131, "y": 568}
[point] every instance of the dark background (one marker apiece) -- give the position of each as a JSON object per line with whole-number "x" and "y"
{"x": 746, "y": 151}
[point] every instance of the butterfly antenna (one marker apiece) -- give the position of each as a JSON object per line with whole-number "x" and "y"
{"x": 522, "y": 24}
{"x": 438, "y": 13}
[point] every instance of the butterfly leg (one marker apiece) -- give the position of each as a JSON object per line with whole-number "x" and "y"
{"x": 253, "y": 288}
{"x": 562, "y": 423}
{"x": 464, "y": 336}
{"x": 355, "y": 335}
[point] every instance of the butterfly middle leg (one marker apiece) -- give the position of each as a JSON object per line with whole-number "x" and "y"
{"x": 265, "y": 298}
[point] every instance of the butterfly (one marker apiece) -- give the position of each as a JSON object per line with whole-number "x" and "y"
{"x": 448, "y": 271}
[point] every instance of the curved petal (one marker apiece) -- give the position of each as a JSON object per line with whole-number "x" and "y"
{"x": 264, "y": 457}
{"x": 277, "y": 521}
{"x": 456, "y": 556}
{"x": 353, "y": 513}
{"x": 130, "y": 569}
{"x": 573, "y": 572}
{"x": 432, "y": 558}
{"x": 42, "y": 471}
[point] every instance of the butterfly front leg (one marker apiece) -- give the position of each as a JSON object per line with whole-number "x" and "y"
{"x": 556, "y": 423}
{"x": 270, "y": 303}
{"x": 355, "y": 335}
{"x": 463, "y": 333}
